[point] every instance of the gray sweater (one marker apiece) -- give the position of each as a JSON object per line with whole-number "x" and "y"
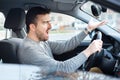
{"x": 41, "y": 53}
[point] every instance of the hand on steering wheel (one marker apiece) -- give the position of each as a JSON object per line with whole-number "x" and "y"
{"x": 103, "y": 59}
{"x": 91, "y": 60}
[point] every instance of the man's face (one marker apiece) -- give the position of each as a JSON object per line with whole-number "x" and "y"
{"x": 43, "y": 26}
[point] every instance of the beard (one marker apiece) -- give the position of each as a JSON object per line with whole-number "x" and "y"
{"x": 41, "y": 37}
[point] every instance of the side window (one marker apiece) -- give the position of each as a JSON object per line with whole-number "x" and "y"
{"x": 65, "y": 27}
{"x": 3, "y": 33}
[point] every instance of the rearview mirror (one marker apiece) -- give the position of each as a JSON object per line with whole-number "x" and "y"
{"x": 93, "y": 9}
{"x": 97, "y": 9}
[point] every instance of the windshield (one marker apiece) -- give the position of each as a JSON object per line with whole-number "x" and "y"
{"x": 112, "y": 17}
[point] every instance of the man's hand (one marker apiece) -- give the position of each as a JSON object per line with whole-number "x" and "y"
{"x": 93, "y": 25}
{"x": 95, "y": 46}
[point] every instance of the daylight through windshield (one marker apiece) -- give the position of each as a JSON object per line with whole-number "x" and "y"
{"x": 112, "y": 17}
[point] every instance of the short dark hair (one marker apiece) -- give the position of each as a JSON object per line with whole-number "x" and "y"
{"x": 32, "y": 15}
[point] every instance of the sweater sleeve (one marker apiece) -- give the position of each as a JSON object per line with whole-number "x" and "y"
{"x": 64, "y": 46}
{"x": 35, "y": 56}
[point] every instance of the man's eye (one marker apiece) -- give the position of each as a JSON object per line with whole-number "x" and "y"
{"x": 46, "y": 22}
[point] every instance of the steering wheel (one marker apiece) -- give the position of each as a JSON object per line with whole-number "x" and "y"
{"x": 91, "y": 60}
{"x": 98, "y": 59}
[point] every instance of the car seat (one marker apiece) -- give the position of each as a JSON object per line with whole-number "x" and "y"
{"x": 15, "y": 21}
{"x": 8, "y": 50}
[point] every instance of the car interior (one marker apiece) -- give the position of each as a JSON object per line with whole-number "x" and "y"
{"x": 109, "y": 58}
{"x": 15, "y": 21}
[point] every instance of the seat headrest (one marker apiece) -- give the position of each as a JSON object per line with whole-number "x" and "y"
{"x": 15, "y": 19}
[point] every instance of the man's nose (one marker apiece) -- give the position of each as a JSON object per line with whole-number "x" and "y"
{"x": 49, "y": 25}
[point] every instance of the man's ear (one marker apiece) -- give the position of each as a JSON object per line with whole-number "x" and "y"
{"x": 32, "y": 27}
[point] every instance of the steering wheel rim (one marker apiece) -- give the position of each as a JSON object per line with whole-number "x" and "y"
{"x": 91, "y": 60}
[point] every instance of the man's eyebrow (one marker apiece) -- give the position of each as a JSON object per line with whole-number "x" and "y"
{"x": 47, "y": 21}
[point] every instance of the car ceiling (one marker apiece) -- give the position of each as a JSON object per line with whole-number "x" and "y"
{"x": 54, "y": 5}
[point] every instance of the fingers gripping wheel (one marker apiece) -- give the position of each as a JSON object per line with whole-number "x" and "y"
{"x": 91, "y": 60}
